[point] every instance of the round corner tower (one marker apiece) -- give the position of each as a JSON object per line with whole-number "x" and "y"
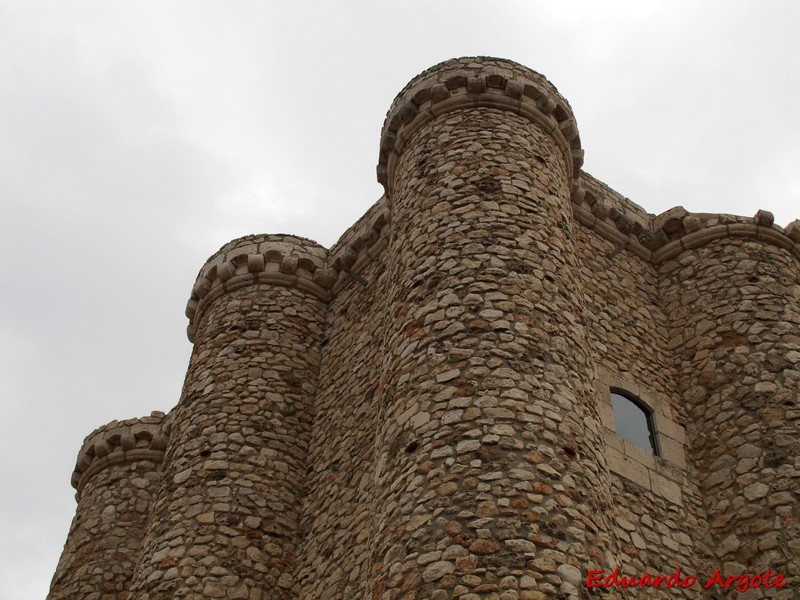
{"x": 116, "y": 476}
{"x": 225, "y": 522}
{"x": 490, "y": 463}
{"x": 731, "y": 287}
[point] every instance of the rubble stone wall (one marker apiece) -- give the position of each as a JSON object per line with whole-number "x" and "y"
{"x": 659, "y": 515}
{"x": 423, "y": 410}
{"x": 735, "y": 315}
{"x": 491, "y": 464}
{"x": 225, "y": 522}
{"x": 117, "y": 473}
{"x": 339, "y": 506}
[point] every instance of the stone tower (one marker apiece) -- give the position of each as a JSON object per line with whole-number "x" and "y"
{"x": 424, "y": 410}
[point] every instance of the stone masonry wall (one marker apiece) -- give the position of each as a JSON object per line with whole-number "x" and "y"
{"x": 735, "y": 311}
{"x": 491, "y": 468}
{"x": 658, "y": 511}
{"x": 225, "y": 522}
{"x": 118, "y": 470}
{"x": 423, "y": 410}
{"x": 339, "y": 506}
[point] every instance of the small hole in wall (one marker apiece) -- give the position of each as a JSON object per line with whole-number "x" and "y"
{"x": 205, "y": 453}
{"x": 412, "y": 447}
{"x": 753, "y": 279}
{"x": 570, "y": 451}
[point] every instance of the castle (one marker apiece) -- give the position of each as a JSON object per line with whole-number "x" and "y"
{"x": 436, "y": 407}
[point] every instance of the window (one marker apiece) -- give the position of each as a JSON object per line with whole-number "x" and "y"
{"x": 634, "y": 421}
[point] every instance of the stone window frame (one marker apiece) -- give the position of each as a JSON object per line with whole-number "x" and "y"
{"x": 664, "y": 473}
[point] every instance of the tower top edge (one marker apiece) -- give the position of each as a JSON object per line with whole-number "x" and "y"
{"x": 281, "y": 259}
{"x": 118, "y": 442}
{"x": 272, "y": 240}
{"x": 264, "y": 245}
{"x": 474, "y": 65}
{"x": 479, "y": 81}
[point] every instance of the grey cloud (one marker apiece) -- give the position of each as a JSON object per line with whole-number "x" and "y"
{"x": 136, "y": 139}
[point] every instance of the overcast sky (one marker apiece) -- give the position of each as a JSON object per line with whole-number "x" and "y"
{"x": 136, "y": 138}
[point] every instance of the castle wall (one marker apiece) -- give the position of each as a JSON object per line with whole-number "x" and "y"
{"x": 117, "y": 473}
{"x": 225, "y": 523}
{"x": 424, "y": 411}
{"x": 659, "y": 517}
{"x": 339, "y": 506}
{"x": 490, "y": 467}
{"x": 735, "y": 314}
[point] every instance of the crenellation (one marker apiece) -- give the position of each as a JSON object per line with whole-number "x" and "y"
{"x": 263, "y": 259}
{"x": 121, "y": 442}
{"x": 461, "y": 83}
{"x": 116, "y": 476}
{"x": 424, "y": 410}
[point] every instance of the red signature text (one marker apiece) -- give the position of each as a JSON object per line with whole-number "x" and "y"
{"x": 599, "y": 578}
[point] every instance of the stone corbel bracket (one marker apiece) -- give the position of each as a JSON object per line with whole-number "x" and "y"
{"x": 121, "y": 442}
{"x": 658, "y": 239}
{"x": 477, "y": 82}
{"x": 283, "y": 260}
{"x": 363, "y": 242}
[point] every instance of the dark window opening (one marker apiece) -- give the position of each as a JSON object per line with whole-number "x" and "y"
{"x": 634, "y": 421}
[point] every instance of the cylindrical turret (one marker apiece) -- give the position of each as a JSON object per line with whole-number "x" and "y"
{"x": 225, "y": 520}
{"x": 491, "y": 475}
{"x": 732, "y": 290}
{"x": 115, "y": 477}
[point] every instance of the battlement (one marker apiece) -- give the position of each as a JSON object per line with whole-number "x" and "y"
{"x": 659, "y": 238}
{"x": 120, "y": 442}
{"x": 425, "y": 409}
{"x": 285, "y": 260}
{"x": 363, "y": 241}
{"x": 472, "y": 82}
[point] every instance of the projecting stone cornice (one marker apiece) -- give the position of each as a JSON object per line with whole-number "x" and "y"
{"x": 701, "y": 229}
{"x": 363, "y": 242}
{"x": 288, "y": 261}
{"x": 293, "y": 261}
{"x": 284, "y": 260}
{"x": 660, "y": 238}
{"x": 121, "y": 442}
{"x": 477, "y": 82}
